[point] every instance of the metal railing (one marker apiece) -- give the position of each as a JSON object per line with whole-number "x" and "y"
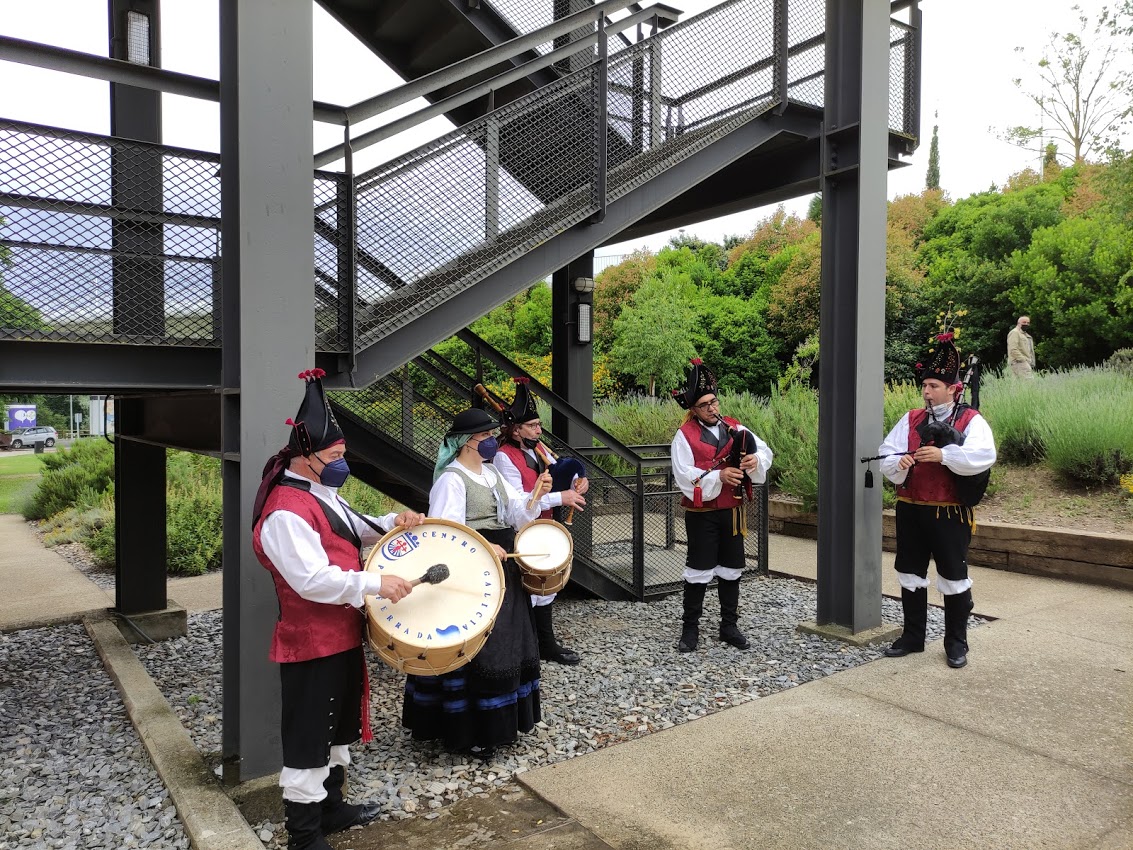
{"x": 109, "y": 240}
{"x": 632, "y": 530}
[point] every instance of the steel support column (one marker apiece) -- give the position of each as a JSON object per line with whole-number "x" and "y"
{"x": 851, "y": 339}
{"x": 268, "y": 331}
{"x": 572, "y": 362}
{"x": 139, "y": 515}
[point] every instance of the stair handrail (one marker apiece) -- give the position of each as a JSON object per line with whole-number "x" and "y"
{"x": 467, "y": 67}
{"x": 557, "y": 402}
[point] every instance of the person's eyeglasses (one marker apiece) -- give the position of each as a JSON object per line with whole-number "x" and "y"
{"x": 704, "y": 405}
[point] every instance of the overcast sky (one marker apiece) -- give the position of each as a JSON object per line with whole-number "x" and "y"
{"x": 968, "y": 63}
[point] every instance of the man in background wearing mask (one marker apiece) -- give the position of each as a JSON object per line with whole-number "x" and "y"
{"x": 311, "y": 541}
{"x": 1021, "y": 349}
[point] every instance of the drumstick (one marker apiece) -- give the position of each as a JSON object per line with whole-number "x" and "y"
{"x": 434, "y": 575}
{"x": 527, "y": 555}
{"x": 535, "y": 494}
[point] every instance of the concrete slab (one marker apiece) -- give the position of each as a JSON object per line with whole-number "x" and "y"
{"x": 821, "y": 766}
{"x": 1064, "y": 697}
{"x": 197, "y": 593}
{"x": 1099, "y": 614}
{"x": 40, "y": 588}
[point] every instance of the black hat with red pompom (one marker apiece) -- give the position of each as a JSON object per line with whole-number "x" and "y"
{"x": 943, "y": 361}
{"x": 314, "y": 427}
{"x": 523, "y": 405}
{"x": 701, "y": 382}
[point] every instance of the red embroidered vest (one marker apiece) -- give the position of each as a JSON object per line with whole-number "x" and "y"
{"x": 931, "y": 482}
{"x": 306, "y": 629}
{"x": 527, "y": 475}
{"x": 704, "y": 455}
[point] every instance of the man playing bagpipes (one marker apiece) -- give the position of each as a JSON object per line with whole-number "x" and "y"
{"x": 715, "y": 462}
{"x": 521, "y": 460}
{"x": 939, "y": 457}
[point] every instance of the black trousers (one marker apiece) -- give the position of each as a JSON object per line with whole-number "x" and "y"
{"x": 713, "y": 540}
{"x": 940, "y": 532}
{"x": 321, "y": 707}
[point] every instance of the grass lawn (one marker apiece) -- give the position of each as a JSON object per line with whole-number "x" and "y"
{"x": 19, "y": 474}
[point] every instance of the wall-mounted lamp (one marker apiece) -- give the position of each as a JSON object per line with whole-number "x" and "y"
{"x": 584, "y": 284}
{"x": 582, "y": 325}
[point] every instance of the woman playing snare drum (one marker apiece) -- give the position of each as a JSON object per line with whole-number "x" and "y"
{"x": 488, "y": 701}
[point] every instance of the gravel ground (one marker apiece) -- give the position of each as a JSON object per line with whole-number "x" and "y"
{"x": 73, "y": 773}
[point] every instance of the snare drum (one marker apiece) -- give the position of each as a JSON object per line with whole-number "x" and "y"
{"x": 549, "y": 570}
{"x": 437, "y": 627}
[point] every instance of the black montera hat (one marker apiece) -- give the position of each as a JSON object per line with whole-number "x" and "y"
{"x": 472, "y": 421}
{"x": 523, "y": 406}
{"x": 943, "y": 363}
{"x": 314, "y": 427}
{"x": 701, "y": 382}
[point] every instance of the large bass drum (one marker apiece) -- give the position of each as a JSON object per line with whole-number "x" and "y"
{"x": 437, "y": 627}
{"x": 548, "y": 551}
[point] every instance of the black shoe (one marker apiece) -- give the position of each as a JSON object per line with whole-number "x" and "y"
{"x": 733, "y": 637}
{"x": 304, "y": 831}
{"x": 560, "y": 655}
{"x": 900, "y": 649}
{"x": 346, "y": 815}
{"x": 957, "y": 662}
{"x": 690, "y": 637}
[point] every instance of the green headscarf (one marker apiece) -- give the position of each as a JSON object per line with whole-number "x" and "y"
{"x": 448, "y": 451}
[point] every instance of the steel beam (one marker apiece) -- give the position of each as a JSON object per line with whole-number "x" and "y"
{"x": 268, "y": 326}
{"x": 851, "y": 338}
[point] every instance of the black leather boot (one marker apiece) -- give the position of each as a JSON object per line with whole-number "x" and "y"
{"x": 304, "y": 831}
{"x": 914, "y": 606}
{"x": 549, "y": 647}
{"x": 337, "y": 814}
{"x": 693, "y": 608}
{"x": 730, "y": 613}
{"x": 957, "y": 607}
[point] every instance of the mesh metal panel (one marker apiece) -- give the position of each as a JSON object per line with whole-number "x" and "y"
{"x": 806, "y": 52}
{"x": 903, "y": 95}
{"x": 444, "y": 216}
{"x": 119, "y": 241}
{"x": 668, "y": 101}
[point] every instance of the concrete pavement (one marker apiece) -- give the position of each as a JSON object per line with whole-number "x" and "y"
{"x": 1027, "y": 747}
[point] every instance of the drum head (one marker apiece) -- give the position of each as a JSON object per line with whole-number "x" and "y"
{"x": 443, "y": 615}
{"x": 548, "y": 538}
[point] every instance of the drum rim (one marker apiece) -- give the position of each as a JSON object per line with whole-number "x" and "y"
{"x": 370, "y": 619}
{"x": 528, "y": 568}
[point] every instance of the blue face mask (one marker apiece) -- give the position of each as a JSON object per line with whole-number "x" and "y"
{"x": 487, "y": 448}
{"x": 335, "y": 473}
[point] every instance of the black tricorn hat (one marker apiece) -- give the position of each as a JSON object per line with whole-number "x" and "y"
{"x": 472, "y": 421}
{"x": 523, "y": 406}
{"x": 314, "y": 427}
{"x": 701, "y": 382}
{"x": 943, "y": 363}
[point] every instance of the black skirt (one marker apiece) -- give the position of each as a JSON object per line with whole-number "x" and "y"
{"x": 488, "y": 701}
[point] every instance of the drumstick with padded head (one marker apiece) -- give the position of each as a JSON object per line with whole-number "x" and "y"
{"x": 434, "y": 575}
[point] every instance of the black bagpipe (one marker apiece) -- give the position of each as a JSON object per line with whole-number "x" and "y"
{"x": 563, "y": 470}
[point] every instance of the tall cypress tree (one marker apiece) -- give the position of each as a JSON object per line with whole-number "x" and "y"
{"x": 932, "y": 177}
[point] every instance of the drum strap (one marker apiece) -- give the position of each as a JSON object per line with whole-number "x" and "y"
{"x": 338, "y": 525}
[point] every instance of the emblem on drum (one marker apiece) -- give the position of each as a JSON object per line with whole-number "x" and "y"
{"x": 438, "y": 627}
{"x": 401, "y": 545}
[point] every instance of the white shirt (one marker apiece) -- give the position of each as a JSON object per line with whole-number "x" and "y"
{"x": 448, "y": 498}
{"x": 295, "y": 549}
{"x": 684, "y": 470}
{"x": 512, "y": 476}
{"x": 976, "y": 455}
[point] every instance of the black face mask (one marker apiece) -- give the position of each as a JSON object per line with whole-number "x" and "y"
{"x": 531, "y": 444}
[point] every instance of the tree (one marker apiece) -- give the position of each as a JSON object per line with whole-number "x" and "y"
{"x": 654, "y": 332}
{"x": 1081, "y": 86}
{"x": 814, "y": 209}
{"x": 15, "y": 312}
{"x": 613, "y": 289}
{"x": 1076, "y": 283}
{"x": 932, "y": 176}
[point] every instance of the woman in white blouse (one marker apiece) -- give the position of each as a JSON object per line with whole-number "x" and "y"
{"x": 488, "y": 701}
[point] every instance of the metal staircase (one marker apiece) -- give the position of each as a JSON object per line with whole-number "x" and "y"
{"x": 571, "y": 137}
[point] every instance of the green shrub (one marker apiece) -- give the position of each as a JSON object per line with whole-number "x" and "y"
{"x": 900, "y": 398}
{"x": 1085, "y": 425}
{"x": 1121, "y": 361}
{"x": 79, "y": 522}
{"x": 366, "y": 499}
{"x": 1014, "y": 409}
{"x": 75, "y": 476}
{"x": 792, "y": 435}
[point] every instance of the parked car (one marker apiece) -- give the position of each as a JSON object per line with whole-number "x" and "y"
{"x": 30, "y": 436}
